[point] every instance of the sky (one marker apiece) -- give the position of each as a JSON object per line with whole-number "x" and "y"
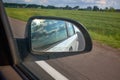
{"x": 72, "y": 3}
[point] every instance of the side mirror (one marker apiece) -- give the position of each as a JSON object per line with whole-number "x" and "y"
{"x": 58, "y": 37}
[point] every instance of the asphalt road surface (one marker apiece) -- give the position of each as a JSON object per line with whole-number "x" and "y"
{"x": 102, "y": 63}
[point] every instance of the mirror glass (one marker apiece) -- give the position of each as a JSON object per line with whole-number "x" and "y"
{"x": 50, "y": 35}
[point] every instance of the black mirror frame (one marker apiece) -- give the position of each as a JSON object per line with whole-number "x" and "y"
{"x": 88, "y": 41}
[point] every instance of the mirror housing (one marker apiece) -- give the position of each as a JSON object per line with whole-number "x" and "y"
{"x": 87, "y": 42}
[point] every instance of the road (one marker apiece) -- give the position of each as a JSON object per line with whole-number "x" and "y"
{"x": 102, "y": 63}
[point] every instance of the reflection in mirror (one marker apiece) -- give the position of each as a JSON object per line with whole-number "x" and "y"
{"x": 48, "y": 35}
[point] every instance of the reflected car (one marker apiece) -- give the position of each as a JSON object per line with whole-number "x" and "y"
{"x": 55, "y": 35}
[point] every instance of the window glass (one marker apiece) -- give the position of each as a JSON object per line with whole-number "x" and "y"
{"x": 45, "y": 33}
{"x": 70, "y": 29}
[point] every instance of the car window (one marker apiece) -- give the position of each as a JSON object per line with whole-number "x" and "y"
{"x": 46, "y": 33}
{"x": 70, "y": 29}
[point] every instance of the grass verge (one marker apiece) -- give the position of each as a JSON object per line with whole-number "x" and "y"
{"x": 102, "y": 26}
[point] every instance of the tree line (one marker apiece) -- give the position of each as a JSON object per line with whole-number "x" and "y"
{"x": 67, "y": 7}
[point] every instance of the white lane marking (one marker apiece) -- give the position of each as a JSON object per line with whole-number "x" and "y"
{"x": 51, "y": 71}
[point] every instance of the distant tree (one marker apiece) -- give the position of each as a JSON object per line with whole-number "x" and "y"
{"x": 51, "y": 7}
{"x": 82, "y": 9}
{"x": 111, "y": 9}
{"x": 95, "y": 8}
{"x": 67, "y": 7}
{"x": 101, "y": 9}
{"x": 89, "y": 8}
{"x": 32, "y": 6}
{"x": 76, "y": 7}
{"x": 118, "y": 10}
{"x": 14, "y": 5}
{"x": 42, "y": 6}
{"x": 106, "y": 8}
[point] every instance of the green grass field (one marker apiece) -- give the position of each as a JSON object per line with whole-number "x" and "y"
{"x": 102, "y": 26}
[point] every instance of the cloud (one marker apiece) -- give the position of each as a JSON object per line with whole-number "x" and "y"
{"x": 88, "y": 1}
{"x": 103, "y": 2}
{"x": 40, "y": 2}
{"x": 81, "y": 3}
{"x": 94, "y": 1}
{"x": 27, "y": 0}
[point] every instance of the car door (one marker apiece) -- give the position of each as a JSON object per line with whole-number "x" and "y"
{"x": 73, "y": 37}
